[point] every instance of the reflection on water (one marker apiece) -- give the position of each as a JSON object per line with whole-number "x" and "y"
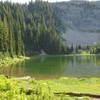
{"x": 56, "y": 66}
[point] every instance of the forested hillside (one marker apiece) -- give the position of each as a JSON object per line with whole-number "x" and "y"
{"x": 28, "y": 29}
{"x": 54, "y": 28}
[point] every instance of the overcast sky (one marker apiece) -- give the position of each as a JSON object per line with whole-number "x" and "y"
{"x": 26, "y": 1}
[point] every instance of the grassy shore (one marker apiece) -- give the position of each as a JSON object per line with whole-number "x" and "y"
{"x": 9, "y": 60}
{"x": 83, "y": 55}
{"x": 14, "y": 89}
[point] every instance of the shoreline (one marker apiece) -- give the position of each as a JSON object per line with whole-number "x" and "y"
{"x": 9, "y": 60}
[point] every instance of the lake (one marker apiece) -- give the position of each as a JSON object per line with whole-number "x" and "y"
{"x": 45, "y": 67}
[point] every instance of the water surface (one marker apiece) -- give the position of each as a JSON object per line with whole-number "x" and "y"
{"x": 45, "y": 67}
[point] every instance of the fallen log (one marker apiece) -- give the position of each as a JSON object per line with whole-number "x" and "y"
{"x": 23, "y": 78}
{"x": 29, "y": 91}
{"x": 79, "y": 94}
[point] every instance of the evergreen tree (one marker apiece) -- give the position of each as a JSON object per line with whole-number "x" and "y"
{"x": 25, "y": 29}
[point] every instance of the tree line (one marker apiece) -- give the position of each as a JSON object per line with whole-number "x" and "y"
{"x": 28, "y": 29}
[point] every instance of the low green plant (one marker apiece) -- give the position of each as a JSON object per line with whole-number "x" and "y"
{"x": 11, "y": 89}
{"x": 9, "y": 60}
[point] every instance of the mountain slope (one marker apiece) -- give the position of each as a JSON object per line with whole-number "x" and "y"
{"x": 81, "y": 20}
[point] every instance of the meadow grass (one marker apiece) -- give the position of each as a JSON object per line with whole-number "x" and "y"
{"x": 11, "y": 89}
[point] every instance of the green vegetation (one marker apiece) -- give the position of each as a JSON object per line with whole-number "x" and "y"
{"x": 85, "y": 53}
{"x": 9, "y": 60}
{"x": 88, "y": 50}
{"x": 91, "y": 49}
{"x": 14, "y": 89}
{"x": 29, "y": 29}
{"x": 95, "y": 49}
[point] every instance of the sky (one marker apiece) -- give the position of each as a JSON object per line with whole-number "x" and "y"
{"x": 26, "y": 1}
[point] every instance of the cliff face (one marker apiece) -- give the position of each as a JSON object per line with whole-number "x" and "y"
{"x": 81, "y": 21}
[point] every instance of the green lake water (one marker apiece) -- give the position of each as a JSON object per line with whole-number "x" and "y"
{"x": 45, "y": 67}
